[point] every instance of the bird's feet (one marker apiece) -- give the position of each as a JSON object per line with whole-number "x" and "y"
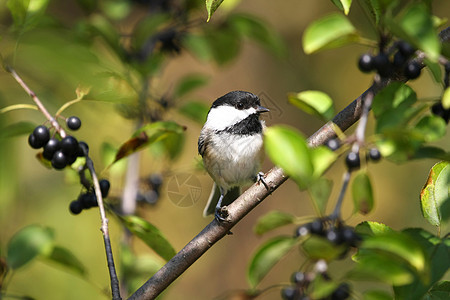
{"x": 260, "y": 178}
{"x": 221, "y": 214}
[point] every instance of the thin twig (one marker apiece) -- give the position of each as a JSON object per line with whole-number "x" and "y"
{"x": 337, "y": 209}
{"x": 104, "y": 228}
{"x": 38, "y": 102}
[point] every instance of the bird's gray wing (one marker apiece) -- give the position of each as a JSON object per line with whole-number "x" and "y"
{"x": 230, "y": 196}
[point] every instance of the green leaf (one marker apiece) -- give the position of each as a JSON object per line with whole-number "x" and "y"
{"x": 225, "y": 44}
{"x": 396, "y": 95}
{"x": 272, "y": 220}
{"x": 26, "y": 14}
{"x": 431, "y": 128}
{"x": 196, "y": 111}
{"x": 440, "y": 291}
{"x": 211, "y": 7}
{"x": 343, "y": 5}
{"x": 17, "y": 129}
{"x": 329, "y": 32}
{"x": 256, "y": 29}
{"x": 362, "y": 193}
{"x": 435, "y": 193}
{"x": 321, "y": 288}
{"x": 382, "y": 267}
{"x": 267, "y": 256}
{"x": 377, "y": 295}
{"x": 415, "y": 25}
{"x": 370, "y": 228}
{"x": 320, "y": 191}
{"x": 399, "y": 245}
{"x": 435, "y": 70}
{"x": 288, "y": 149}
{"x": 446, "y": 98}
{"x": 189, "y": 83}
{"x": 150, "y": 235}
{"x": 322, "y": 158}
{"x": 431, "y": 152}
{"x": 27, "y": 244}
{"x": 153, "y": 133}
{"x": 199, "y": 46}
{"x": 317, "y": 247}
{"x": 67, "y": 259}
{"x": 314, "y": 103}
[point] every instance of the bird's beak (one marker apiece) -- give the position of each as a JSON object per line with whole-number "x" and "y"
{"x": 261, "y": 109}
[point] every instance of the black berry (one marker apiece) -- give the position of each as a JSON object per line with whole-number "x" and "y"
{"x": 303, "y": 230}
{"x": 75, "y": 207}
{"x": 71, "y": 159}
{"x": 104, "y": 187}
{"x": 290, "y": 293}
{"x": 374, "y": 154}
{"x": 438, "y": 110}
{"x": 333, "y": 144}
{"x": 334, "y": 236}
{"x": 34, "y": 142}
{"x": 412, "y": 70}
{"x": 317, "y": 227}
{"x": 88, "y": 200}
{"x": 342, "y": 292}
{"x": 50, "y": 148}
{"x": 350, "y": 237}
{"x": 73, "y": 123}
{"x": 352, "y": 161}
{"x": 382, "y": 65}
{"x": 365, "y": 63}
{"x": 69, "y": 145}
{"x": 42, "y": 134}
{"x": 298, "y": 278}
{"x": 406, "y": 49}
{"x": 399, "y": 59}
{"x": 59, "y": 160}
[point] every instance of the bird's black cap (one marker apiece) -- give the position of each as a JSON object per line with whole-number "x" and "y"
{"x": 239, "y": 99}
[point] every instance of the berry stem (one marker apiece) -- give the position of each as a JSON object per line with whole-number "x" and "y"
{"x": 104, "y": 228}
{"x": 337, "y": 209}
{"x": 361, "y": 129}
{"x": 38, "y": 102}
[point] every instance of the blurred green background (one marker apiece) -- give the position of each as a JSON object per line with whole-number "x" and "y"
{"x": 54, "y": 64}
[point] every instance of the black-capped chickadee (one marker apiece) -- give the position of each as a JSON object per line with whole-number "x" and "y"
{"x": 230, "y": 144}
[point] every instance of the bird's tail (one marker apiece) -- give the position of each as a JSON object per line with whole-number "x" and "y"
{"x": 230, "y": 196}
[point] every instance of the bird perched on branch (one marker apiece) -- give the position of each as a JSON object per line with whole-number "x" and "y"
{"x": 230, "y": 144}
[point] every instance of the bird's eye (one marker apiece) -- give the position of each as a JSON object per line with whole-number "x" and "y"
{"x": 240, "y": 105}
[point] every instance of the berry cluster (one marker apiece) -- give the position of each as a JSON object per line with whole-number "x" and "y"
{"x": 352, "y": 160}
{"x": 60, "y": 152}
{"x": 88, "y": 199}
{"x": 337, "y": 234}
{"x": 402, "y": 61}
{"x": 300, "y": 282}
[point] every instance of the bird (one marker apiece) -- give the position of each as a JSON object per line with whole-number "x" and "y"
{"x": 231, "y": 146}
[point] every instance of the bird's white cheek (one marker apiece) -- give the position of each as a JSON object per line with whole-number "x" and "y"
{"x": 222, "y": 117}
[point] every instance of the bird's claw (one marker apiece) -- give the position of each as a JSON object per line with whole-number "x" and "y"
{"x": 221, "y": 214}
{"x": 260, "y": 178}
